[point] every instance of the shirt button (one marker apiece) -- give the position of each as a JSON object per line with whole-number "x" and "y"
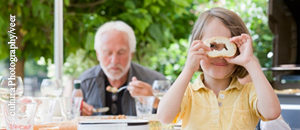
{"x": 222, "y": 96}
{"x": 220, "y": 104}
{"x": 215, "y": 121}
{"x": 216, "y": 112}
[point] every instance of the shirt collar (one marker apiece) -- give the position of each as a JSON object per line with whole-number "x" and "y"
{"x": 198, "y": 84}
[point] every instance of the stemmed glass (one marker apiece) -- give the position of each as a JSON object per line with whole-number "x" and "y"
{"x": 51, "y": 87}
{"x": 160, "y": 87}
{"x": 11, "y": 89}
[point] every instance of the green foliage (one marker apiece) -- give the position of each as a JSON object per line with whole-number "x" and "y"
{"x": 158, "y": 26}
{"x": 34, "y": 23}
{"x": 77, "y": 63}
{"x": 170, "y": 61}
{"x": 32, "y": 68}
{"x": 164, "y": 52}
{"x": 3, "y": 67}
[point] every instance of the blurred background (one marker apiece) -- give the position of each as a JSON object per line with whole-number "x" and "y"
{"x": 162, "y": 29}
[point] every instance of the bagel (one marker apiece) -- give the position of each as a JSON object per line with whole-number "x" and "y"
{"x": 228, "y": 51}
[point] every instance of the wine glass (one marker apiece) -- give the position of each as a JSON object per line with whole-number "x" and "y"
{"x": 160, "y": 87}
{"x": 51, "y": 87}
{"x": 11, "y": 88}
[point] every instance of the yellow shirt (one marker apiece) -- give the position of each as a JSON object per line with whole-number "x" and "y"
{"x": 233, "y": 109}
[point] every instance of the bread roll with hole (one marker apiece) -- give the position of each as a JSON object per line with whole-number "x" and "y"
{"x": 231, "y": 47}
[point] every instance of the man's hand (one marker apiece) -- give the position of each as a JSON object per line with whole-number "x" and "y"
{"x": 140, "y": 88}
{"x": 87, "y": 109}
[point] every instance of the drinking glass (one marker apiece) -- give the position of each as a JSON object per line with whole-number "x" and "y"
{"x": 160, "y": 87}
{"x": 144, "y": 105}
{"x": 19, "y": 116}
{"x": 45, "y": 107}
{"x": 70, "y": 107}
{"x": 51, "y": 87}
{"x": 11, "y": 89}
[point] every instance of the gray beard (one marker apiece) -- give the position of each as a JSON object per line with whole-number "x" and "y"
{"x": 113, "y": 77}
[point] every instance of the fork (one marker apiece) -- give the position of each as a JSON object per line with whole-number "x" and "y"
{"x": 119, "y": 90}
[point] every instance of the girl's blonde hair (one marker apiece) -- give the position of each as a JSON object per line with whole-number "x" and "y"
{"x": 230, "y": 20}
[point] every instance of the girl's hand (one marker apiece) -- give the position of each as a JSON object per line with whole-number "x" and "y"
{"x": 197, "y": 52}
{"x": 244, "y": 44}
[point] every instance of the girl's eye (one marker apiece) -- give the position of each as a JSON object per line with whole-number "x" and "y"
{"x": 213, "y": 45}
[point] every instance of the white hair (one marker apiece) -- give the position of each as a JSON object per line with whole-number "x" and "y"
{"x": 120, "y": 26}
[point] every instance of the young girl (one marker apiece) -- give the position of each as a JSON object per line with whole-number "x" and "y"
{"x": 216, "y": 100}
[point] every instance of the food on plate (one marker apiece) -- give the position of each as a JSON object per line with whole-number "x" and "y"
{"x": 229, "y": 50}
{"x": 108, "y": 117}
{"x": 114, "y": 117}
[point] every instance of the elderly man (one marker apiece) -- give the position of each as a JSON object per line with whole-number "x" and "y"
{"x": 114, "y": 45}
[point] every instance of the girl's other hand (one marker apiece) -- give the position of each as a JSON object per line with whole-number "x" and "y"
{"x": 197, "y": 52}
{"x": 244, "y": 44}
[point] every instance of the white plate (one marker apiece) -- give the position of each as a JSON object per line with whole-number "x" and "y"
{"x": 115, "y": 121}
{"x": 99, "y": 122}
{"x": 89, "y": 118}
{"x": 112, "y": 127}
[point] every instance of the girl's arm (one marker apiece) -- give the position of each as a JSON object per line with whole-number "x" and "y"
{"x": 268, "y": 104}
{"x": 169, "y": 106}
